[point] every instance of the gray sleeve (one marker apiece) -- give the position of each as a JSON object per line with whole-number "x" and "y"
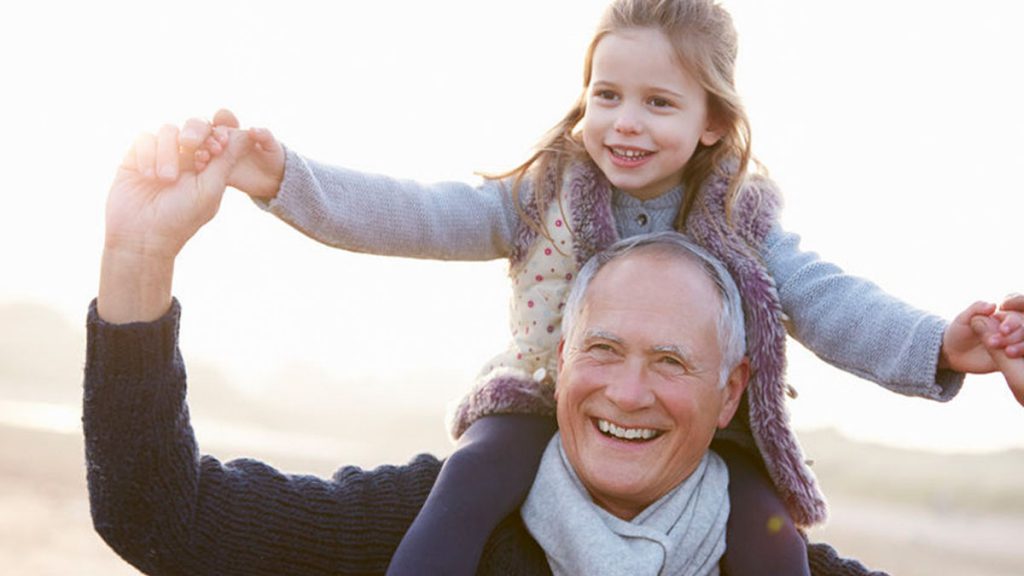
{"x": 854, "y": 325}
{"x": 387, "y": 216}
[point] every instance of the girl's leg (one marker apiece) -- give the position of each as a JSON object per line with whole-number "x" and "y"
{"x": 483, "y": 481}
{"x": 760, "y": 536}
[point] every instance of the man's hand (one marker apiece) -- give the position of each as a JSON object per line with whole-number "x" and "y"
{"x": 1010, "y": 335}
{"x": 155, "y": 205}
{"x": 1012, "y": 368}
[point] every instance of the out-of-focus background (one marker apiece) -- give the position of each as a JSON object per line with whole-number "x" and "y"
{"x": 893, "y": 128}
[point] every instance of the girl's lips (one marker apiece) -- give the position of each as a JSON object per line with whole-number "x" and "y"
{"x": 628, "y": 157}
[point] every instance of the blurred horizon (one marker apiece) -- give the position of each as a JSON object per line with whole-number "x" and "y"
{"x": 892, "y": 128}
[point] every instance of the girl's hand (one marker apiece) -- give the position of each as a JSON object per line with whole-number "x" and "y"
{"x": 1012, "y": 368}
{"x": 258, "y": 172}
{"x": 963, "y": 350}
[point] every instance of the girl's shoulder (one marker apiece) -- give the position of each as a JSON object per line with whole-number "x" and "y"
{"x": 751, "y": 210}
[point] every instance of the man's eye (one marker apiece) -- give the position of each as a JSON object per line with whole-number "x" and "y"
{"x": 600, "y": 349}
{"x": 672, "y": 361}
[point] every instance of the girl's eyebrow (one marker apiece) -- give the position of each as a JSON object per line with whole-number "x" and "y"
{"x": 650, "y": 88}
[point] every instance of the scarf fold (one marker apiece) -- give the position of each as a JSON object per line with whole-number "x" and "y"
{"x": 680, "y": 534}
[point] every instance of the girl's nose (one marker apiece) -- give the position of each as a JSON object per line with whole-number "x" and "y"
{"x": 627, "y": 122}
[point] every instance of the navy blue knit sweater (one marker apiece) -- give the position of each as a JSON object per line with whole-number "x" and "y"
{"x": 167, "y": 509}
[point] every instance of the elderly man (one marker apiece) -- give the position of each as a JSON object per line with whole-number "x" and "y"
{"x": 653, "y": 363}
{"x": 651, "y": 366}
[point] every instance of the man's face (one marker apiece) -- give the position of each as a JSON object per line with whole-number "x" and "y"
{"x": 638, "y": 387}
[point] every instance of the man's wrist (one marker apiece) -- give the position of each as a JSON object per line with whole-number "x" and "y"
{"x": 134, "y": 286}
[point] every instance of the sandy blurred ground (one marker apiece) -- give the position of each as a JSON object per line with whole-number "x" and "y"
{"x": 45, "y": 527}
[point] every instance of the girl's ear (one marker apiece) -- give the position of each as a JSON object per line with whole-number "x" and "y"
{"x": 714, "y": 130}
{"x": 712, "y": 134}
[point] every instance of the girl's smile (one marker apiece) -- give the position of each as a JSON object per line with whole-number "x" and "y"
{"x": 645, "y": 113}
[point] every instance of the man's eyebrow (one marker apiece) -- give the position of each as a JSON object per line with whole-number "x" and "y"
{"x": 598, "y": 334}
{"x": 675, "y": 350}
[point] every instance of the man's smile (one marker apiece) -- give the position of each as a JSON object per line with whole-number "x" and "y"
{"x": 622, "y": 433}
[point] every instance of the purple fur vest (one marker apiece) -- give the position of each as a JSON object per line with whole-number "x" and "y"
{"x": 587, "y": 196}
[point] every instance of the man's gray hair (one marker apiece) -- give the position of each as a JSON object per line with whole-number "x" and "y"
{"x": 731, "y": 331}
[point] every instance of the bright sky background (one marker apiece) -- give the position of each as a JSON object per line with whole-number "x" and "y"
{"x": 893, "y": 126}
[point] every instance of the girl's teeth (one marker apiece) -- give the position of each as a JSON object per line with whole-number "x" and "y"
{"x": 631, "y": 154}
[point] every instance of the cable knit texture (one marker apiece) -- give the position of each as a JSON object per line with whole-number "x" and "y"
{"x": 168, "y": 510}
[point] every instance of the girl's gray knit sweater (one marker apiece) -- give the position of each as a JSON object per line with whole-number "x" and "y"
{"x": 847, "y": 321}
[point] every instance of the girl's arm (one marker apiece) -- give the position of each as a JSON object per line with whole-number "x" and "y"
{"x": 381, "y": 215}
{"x": 361, "y": 212}
{"x": 854, "y": 325}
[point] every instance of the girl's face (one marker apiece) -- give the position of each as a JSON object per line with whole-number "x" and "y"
{"x": 645, "y": 113}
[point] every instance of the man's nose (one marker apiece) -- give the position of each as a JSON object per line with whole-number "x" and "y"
{"x": 629, "y": 389}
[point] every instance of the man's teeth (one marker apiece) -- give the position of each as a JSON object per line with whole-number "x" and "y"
{"x": 626, "y": 433}
{"x": 633, "y": 154}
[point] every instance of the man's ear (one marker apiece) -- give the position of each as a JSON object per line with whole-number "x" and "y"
{"x": 733, "y": 390}
{"x": 561, "y": 361}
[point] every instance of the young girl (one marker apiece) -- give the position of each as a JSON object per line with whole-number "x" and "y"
{"x": 657, "y": 140}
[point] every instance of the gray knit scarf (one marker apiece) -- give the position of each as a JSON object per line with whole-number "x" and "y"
{"x": 680, "y": 534}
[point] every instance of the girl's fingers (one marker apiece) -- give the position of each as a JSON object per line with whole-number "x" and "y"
{"x": 167, "y": 165}
{"x": 979, "y": 308}
{"x": 213, "y": 145}
{"x": 261, "y": 135}
{"x": 145, "y": 154}
{"x": 201, "y": 159}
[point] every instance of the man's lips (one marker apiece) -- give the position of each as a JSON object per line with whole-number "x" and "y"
{"x": 633, "y": 434}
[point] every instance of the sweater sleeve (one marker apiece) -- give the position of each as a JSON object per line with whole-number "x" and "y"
{"x": 168, "y": 510}
{"x": 391, "y": 217}
{"x": 854, "y": 325}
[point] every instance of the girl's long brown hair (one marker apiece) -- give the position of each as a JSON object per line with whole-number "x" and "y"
{"x": 705, "y": 41}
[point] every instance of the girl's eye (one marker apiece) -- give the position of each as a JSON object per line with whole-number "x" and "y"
{"x": 606, "y": 95}
{"x": 659, "y": 102}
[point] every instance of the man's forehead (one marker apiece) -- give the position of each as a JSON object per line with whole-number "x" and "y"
{"x": 644, "y": 272}
{"x": 672, "y": 294}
